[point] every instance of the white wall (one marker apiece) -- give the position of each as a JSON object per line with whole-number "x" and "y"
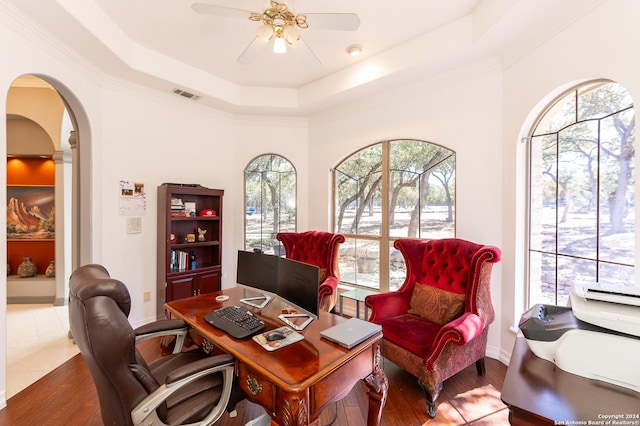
{"x": 152, "y": 139}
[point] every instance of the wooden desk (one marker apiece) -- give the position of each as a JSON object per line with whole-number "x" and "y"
{"x": 538, "y": 392}
{"x": 296, "y": 382}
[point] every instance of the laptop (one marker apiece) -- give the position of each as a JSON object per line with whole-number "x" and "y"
{"x": 351, "y": 332}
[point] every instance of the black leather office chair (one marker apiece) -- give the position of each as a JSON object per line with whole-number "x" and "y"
{"x": 179, "y": 388}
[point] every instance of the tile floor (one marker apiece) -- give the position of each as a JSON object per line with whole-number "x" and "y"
{"x": 37, "y": 343}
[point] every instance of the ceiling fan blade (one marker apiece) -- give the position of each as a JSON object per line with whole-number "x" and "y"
{"x": 333, "y": 21}
{"x": 252, "y": 50}
{"x": 305, "y": 53}
{"x": 211, "y": 9}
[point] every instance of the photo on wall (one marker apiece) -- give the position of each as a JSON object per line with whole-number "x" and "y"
{"x": 30, "y": 212}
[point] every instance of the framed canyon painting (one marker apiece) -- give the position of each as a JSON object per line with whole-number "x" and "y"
{"x": 30, "y": 212}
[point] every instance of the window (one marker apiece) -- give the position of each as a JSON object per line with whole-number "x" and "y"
{"x": 270, "y": 202}
{"x": 390, "y": 190}
{"x": 581, "y": 192}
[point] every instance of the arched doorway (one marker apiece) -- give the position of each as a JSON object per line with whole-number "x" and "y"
{"x": 44, "y": 122}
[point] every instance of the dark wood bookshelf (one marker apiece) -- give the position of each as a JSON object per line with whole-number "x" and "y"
{"x": 179, "y": 280}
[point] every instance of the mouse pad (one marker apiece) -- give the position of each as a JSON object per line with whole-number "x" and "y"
{"x": 291, "y": 336}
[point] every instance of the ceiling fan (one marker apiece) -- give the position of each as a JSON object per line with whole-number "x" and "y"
{"x": 281, "y": 24}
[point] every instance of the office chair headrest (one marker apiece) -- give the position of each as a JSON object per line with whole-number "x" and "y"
{"x": 93, "y": 280}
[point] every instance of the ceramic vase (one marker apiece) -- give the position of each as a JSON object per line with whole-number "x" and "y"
{"x": 51, "y": 270}
{"x": 27, "y": 268}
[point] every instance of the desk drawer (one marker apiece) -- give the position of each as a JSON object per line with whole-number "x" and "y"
{"x": 340, "y": 381}
{"x": 257, "y": 388}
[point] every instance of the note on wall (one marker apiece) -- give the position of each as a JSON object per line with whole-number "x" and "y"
{"x": 133, "y": 200}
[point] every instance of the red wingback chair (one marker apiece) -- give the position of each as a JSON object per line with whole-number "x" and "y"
{"x": 436, "y": 324}
{"x": 320, "y": 249}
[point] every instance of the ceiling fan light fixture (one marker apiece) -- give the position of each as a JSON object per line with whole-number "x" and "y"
{"x": 282, "y": 25}
{"x": 291, "y": 34}
{"x": 354, "y": 50}
{"x": 265, "y": 32}
{"x": 279, "y": 46}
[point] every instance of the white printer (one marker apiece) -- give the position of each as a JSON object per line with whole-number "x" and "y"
{"x": 597, "y": 336}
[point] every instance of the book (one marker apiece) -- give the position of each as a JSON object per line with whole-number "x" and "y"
{"x": 292, "y": 336}
{"x": 190, "y": 208}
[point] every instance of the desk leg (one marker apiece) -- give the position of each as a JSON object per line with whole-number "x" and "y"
{"x": 294, "y": 410}
{"x": 378, "y": 390}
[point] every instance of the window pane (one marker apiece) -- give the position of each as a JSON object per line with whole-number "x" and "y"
{"x": 360, "y": 262}
{"x": 558, "y": 116}
{"x": 620, "y": 275}
{"x": 617, "y": 179}
{"x": 542, "y": 278}
{"x": 358, "y": 202}
{"x": 405, "y": 207}
{"x": 572, "y": 270}
{"x": 600, "y": 99}
{"x": 543, "y": 193}
{"x": 421, "y": 190}
{"x": 270, "y": 200}
{"x": 397, "y": 268}
{"x": 577, "y": 183}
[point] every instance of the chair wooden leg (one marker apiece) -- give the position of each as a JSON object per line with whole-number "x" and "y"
{"x": 431, "y": 393}
{"x": 480, "y": 366}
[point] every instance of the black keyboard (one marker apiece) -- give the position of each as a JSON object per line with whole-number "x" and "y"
{"x": 237, "y": 321}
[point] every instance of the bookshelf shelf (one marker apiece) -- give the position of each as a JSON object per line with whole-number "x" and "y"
{"x": 179, "y": 244}
{"x": 186, "y": 246}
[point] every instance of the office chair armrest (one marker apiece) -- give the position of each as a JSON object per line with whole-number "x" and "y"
{"x": 145, "y": 412}
{"x": 168, "y": 327}
{"x": 160, "y": 325}
{"x": 198, "y": 366}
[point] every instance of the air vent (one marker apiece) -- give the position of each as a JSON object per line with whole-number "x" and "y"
{"x": 186, "y": 94}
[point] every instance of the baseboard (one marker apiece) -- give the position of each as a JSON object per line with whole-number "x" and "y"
{"x": 30, "y": 300}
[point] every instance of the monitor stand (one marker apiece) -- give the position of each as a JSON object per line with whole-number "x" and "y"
{"x": 258, "y": 301}
{"x": 297, "y": 325}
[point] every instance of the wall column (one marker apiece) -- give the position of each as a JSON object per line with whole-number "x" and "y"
{"x": 63, "y": 211}
{"x": 74, "y": 185}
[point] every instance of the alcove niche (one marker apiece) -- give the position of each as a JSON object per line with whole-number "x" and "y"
{"x": 36, "y": 118}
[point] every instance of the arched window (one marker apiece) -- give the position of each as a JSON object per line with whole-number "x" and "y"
{"x": 581, "y": 192}
{"x": 270, "y": 202}
{"x": 390, "y": 190}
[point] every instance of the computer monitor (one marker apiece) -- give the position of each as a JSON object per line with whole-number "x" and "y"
{"x": 298, "y": 283}
{"x": 295, "y": 282}
{"x": 259, "y": 271}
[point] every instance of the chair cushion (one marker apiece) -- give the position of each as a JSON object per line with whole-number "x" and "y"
{"x": 436, "y": 305}
{"x": 412, "y": 332}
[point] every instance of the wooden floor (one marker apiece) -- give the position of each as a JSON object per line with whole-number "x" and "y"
{"x": 67, "y": 396}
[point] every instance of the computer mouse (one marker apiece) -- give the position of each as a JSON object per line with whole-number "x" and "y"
{"x": 275, "y": 335}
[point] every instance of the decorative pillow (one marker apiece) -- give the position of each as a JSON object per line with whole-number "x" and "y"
{"x": 436, "y": 305}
